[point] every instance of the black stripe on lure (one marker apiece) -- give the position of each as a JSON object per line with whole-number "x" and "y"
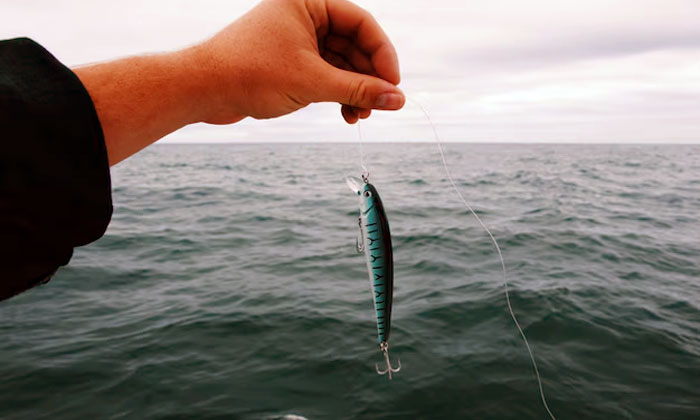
{"x": 375, "y": 241}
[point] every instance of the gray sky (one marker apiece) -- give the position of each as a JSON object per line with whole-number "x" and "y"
{"x": 496, "y": 70}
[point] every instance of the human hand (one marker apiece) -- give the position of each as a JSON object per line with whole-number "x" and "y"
{"x": 279, "y": 57}
{"x": 285, "y": 54}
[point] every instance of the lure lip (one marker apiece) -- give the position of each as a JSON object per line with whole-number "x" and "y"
{"x": 355, "y": 184}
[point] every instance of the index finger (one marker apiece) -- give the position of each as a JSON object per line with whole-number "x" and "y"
{"x": 348, "y": 19}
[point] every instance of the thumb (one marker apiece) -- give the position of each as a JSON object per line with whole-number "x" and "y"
{"x": 358, "y": 90}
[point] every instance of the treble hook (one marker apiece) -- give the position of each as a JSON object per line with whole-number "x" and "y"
{"x": 384, "y": 347}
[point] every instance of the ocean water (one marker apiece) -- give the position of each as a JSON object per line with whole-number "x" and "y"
{"x": 228, "y": 287}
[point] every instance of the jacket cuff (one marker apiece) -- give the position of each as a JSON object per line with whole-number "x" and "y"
{"x": 55, "y": 188}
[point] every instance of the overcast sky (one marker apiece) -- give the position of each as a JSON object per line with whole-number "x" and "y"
{"x": 495, "y": 70}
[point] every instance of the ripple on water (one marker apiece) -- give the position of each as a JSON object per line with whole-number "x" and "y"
{"x": 227, "y": 287}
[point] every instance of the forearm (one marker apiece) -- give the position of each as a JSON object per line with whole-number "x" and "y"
{"x": 141, "y": 99}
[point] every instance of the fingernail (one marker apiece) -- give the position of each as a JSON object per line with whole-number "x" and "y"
{"x": 389, "y": 101}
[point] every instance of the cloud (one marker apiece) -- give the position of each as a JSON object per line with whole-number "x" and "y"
{"x": 500, "y": 70}
{"x": 573, "y": 46}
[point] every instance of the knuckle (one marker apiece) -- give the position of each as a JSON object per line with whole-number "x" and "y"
{"x": 358, "y": 93}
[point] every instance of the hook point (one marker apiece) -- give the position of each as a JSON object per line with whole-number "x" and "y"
{"x": 384, "y": 347}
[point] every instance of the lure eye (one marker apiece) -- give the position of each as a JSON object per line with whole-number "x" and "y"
{"x": 367, "y": 194}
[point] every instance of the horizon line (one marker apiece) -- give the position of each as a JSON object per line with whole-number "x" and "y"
{"x": 572, "y": 143}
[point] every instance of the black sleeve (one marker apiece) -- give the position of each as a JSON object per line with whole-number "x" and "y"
{"x": 55, "y": 191}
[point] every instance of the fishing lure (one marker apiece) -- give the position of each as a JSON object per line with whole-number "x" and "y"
{"x": 375, "y": 241}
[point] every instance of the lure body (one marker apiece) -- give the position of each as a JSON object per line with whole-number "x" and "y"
{"x": 375, "y": 241}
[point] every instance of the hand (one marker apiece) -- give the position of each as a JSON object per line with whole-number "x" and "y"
{"x": 279, "y": 57}
{"x": 285, "y": 54}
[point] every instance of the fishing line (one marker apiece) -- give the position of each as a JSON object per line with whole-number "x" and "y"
{"x": 498, "y": 250}
{"x": 493, "y": 240}
{"x": 363, "y": 169}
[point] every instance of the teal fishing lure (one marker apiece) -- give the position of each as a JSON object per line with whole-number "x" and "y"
{"x": 375, "y": 242}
